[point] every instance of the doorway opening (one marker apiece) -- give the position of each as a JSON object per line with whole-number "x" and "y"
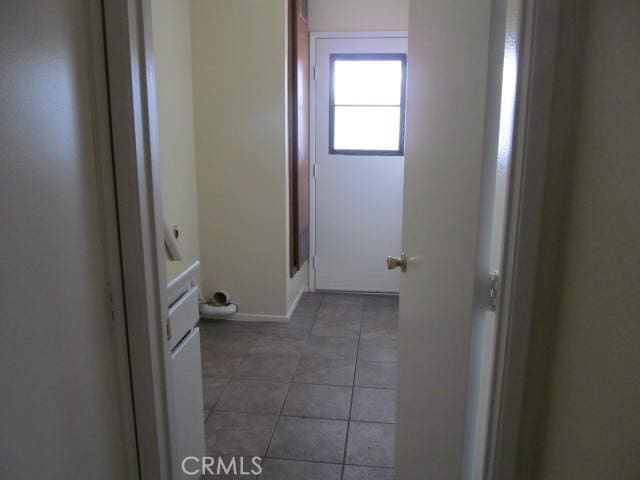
{"x": 309, "y": 384}
{"x": 303, "y": 380}
{"x": 316, "y": 396}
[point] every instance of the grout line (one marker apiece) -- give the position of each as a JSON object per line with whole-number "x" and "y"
{"x": 286, "y": 396}
{"x": 307, "y": 461}
{"x": 332, "y": 419}
{"x": 322, "y": 462}
{"x": 369, "y": 466}
{"x": 228, "y": 379}
{"x": 215, "y": 404}
{"x": 353, "y": 391}
{"x": 320, "y": 384}
{"x": 310, "y": 417}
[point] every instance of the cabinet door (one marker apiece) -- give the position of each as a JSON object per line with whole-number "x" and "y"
{"x": 187, "y": 396}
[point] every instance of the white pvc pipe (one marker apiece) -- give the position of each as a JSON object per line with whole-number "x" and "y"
{"x": 221, "y": 298}
{"x": 209, "y": 310}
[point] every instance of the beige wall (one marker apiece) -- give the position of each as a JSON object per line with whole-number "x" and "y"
{"x": 582, "y": 408}
{"x": 358, "y": 15}
{"x": 172, "y": 56}
{"x": 239, "y": 60}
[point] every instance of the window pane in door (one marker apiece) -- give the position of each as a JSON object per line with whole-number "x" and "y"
{"x": 366, "y": 103}
{"x": 367, "y": 82}
{"x": 367, "y": 128}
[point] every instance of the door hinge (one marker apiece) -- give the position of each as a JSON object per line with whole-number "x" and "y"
{"x": 493, "y": 291}
{"x": 168, "y": 329}
{"x": 315, "y": 170}
{"x": 313, "y": 261}
{"x": 111, "y": 303}
{"x": 314, "y": 72}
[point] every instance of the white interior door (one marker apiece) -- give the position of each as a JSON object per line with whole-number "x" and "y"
{"x": 452, "y": 221}
{"x": 61, "y": 412}
{"x": 359, "y": 156}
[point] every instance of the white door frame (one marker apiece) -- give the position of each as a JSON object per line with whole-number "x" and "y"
{"x": 136, "y": 165}
{"x": 133, "y": 110}
{"x": 539, "y": 25}
{"x": 110, "y": 230}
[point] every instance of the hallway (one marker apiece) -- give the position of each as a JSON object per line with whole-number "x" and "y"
{"x": 314, "y": 397}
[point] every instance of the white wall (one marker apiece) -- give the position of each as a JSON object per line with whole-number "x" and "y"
{"x": 581, "y": 411}
{"x": 239, "y": 79}
{"x": 358, "y": 15}
{"x": 171, "y": 26}
{"x": 64, "y": 412}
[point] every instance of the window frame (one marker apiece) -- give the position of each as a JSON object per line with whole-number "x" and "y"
{"x": 399, "y": 152}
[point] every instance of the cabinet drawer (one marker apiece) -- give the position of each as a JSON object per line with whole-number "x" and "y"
{"x": 183, "y": 316}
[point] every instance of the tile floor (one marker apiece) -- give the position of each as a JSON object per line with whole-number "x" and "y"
{"x": 314, "y": 397}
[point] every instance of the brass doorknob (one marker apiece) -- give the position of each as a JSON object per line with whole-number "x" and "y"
{"x": 394, "y": 262}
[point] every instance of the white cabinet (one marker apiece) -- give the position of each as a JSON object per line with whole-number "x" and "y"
{"x": 184, "y": 342}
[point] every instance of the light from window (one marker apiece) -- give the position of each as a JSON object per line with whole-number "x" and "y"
{"x": 367, "y": 104}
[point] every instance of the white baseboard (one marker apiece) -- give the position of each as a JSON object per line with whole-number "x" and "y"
{"x": 255, "y": 317}
{"x": 296, "y": 301}
{"x": 388, "y": 293}
{"x": 258, "y": 317}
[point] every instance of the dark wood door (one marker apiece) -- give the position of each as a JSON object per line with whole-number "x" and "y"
{"x": 299, "y": 133}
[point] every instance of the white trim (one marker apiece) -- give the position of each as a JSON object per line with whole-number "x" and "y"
{"x": 256, "y": 318}
{"x": 134, "y": 140}
{"x": 533, "y": 110}
{"x": 312, "y": 161}
{"x": 383, "y": 293}
{"x": 380, "y": 34}
{"x": 109, "y": 228}
{"x": 314, "y": 36}
{"x": 295, "y": 303}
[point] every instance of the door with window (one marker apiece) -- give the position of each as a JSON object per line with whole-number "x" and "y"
{"x": 360, "y": 86}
